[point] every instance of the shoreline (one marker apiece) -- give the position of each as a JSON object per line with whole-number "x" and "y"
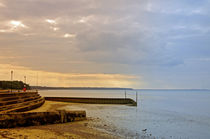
{"x": 72, "y": 130}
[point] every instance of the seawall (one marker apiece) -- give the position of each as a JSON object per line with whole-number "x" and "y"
{"x": 39, "y": 118}
{"x": 124, "y": 101}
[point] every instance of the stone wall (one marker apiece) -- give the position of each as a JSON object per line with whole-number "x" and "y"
{"x": 39, "y": 118}
{"x": 125, "y": 101}
{"x": 19, "y": 101}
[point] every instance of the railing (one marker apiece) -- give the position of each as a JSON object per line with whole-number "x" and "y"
{"x": 17, "y": 91}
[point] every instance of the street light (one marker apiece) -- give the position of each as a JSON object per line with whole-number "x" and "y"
{"x": 25, "y": 79}
{"x": 11, "y": 79}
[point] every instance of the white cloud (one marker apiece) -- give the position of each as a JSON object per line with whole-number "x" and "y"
{"x": 12, "y": 26}
{"x": 69, "y": 35}
{"x": 85, "y": 19}
{"x": 82, "y": 21}
{"x": 2, "y": 30}
{"x": 51, "y": 21}
{"x": 204, "y": 59}
{"x": 53, "y": 24}
{"x": 198, "y": 11}
{"x": 54, "y": 28}
{"x": 16, "y": 24}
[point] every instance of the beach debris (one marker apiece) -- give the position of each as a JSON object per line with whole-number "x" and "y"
{"x": 144, "y": 130}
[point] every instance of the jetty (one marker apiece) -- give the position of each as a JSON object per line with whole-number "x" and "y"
{"x": 122, "y": 101}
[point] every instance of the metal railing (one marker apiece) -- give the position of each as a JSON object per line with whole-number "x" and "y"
{"x": 17, "y": 91}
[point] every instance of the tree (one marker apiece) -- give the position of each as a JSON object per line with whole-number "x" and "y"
{"x": 13, "y": 85}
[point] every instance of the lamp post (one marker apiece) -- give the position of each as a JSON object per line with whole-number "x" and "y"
{"x": 24, "y": 88}
{"x": 11, "y": 79}
{"x": 25, "y": 79}
{"x": 37, "y": 80}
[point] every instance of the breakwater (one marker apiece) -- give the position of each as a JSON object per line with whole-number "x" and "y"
{"x": 124, "y": 101}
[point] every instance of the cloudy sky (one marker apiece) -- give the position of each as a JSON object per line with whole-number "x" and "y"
{"x": 106, "y": 43}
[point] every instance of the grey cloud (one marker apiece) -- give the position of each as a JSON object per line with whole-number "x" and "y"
{"x": 132, "y": 37}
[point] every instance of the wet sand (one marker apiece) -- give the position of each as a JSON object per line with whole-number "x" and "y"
{"x": 75, "y": 130}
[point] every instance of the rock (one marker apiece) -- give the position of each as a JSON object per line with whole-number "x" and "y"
{"x": 144, "y": 130}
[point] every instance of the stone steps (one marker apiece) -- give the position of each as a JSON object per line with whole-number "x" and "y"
{"x": 26, "y": 106}
{"x": 14, "y": 107}
{"x": 12, "y": 94}
{"x": 16, "y": 97}
{"x": 19, "y": 101}
{"x": 26, "y": 101}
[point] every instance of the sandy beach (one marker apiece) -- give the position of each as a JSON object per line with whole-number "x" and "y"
{"x": 75, "y": 130}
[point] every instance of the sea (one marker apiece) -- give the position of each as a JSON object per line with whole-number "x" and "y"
{"x": 160, "y": 114}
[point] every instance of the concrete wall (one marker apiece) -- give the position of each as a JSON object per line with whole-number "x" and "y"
{"x": 126, "y": 101}
{"x": 39, "y": 118}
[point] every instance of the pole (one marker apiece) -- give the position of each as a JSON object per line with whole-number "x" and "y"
{"x": 11, "y": 79}
{"x": 25, "y": 82}
{"x": 136, "y": 98}
{"x": 25, "y": 79}
{"x": 125, "y": 94}
{"x": 37, "y": 82}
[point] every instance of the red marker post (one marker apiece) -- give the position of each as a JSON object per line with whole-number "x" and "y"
{"x": 24, "y": 88}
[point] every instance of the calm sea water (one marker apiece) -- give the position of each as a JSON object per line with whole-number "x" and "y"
{"x": 164, "y": 114}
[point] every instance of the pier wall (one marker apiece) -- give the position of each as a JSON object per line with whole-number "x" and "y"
{"x": 125, "y": 101}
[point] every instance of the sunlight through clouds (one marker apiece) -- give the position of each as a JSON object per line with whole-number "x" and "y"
{"x": 16, "y": 24}
{"x": 2, "y": 5}
{"x": 55, "y": 28}
{"x": 51, "y": 21}
{"x": 67, "y": 35}
{"x": 13, "y": 26}
{"x": 66, "y": 79}
{"x": 53, "y": 24}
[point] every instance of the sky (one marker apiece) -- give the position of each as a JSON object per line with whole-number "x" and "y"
{"x": 105, "y": 43}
